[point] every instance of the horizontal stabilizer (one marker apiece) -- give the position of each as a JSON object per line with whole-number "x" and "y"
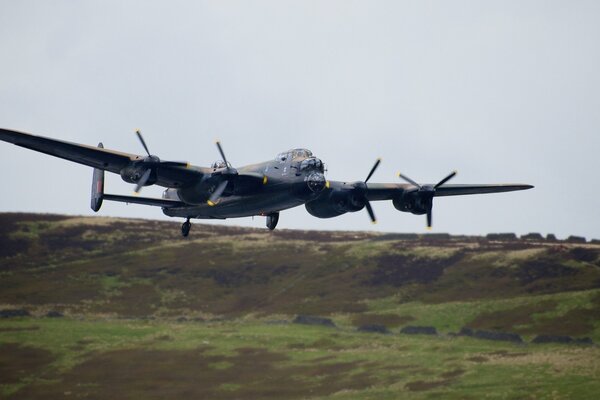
{"x": 166, "y": 203}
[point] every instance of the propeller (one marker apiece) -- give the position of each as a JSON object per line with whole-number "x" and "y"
{"x": 373, "y": 169}
{"x": 427, "y": 192}
{"x": 221, "y": 152}
{"x": 362, "y": 188}
{"x": 151, "y": 163}
{"x": 228, "y": 173}
{"x": 216, "y": 195}
{"x": 142, "y": 181}
{"x": 141, "y": 138}
{"x": 370, "y": 211}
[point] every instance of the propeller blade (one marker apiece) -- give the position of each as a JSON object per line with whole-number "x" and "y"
{"x": 370, "y": 211}
{"x": 407, "y": 179}
{"x": 446, "y": 179}
{"x": 142, "y": 181}
{"x": 139, "y": 135}
{"x": 222, "y": 152}
{"x": 429, "y": 218}
{"x": 373, "y": 169}
{"x": 214, "y": 197}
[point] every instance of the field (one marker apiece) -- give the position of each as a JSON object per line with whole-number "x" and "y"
{"x": 116, "y": 308}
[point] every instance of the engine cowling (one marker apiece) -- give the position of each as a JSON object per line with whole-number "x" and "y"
{"x": 415, "y": 202}
{"x": 335, "y": 203}
{"x": 133, "y": 173}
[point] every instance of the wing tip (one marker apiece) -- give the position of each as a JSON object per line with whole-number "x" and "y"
{"x": 524, "y": 186}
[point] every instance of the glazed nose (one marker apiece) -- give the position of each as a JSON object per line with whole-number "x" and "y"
{"x": 316, "y": 181}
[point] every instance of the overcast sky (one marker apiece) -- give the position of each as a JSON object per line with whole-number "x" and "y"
{"x": 505, "y": 91}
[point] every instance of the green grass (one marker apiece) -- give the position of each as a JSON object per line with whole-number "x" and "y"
{"x": 123, "y": 284}
{"x": 414, "y": 366}
{"x": 452, "y": 316}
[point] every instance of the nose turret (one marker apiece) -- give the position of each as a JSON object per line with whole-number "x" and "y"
{"x": 312, "y": 163}
{"x": 316, "y": 181}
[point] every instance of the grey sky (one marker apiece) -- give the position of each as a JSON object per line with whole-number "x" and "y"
{"x": 505, "y": 91}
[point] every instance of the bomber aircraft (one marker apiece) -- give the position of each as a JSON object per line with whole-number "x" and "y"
{"x": 295, "y": 177}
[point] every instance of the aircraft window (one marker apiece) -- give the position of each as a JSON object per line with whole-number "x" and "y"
{"x": 281, "y": 157}
{"x": 301, "y": 153}
{"x": 312, "y": 163}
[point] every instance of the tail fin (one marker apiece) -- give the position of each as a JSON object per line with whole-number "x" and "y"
{"x": 97, "y": 187}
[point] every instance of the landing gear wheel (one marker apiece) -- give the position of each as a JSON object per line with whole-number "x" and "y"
{"x": 185, "y": 228}
{"x": 272, "y": 220}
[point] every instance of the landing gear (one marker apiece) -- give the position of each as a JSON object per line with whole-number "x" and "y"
{"x": 185, "y": 228}
{"x": 272, "y": 220}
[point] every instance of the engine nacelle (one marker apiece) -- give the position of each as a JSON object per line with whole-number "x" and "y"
{"x": 336, "y": 202}
{"x": 414, "y": 202}
{"x": 133, "y": 173}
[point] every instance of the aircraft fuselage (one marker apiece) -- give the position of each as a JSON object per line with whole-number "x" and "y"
{"x": 292, "y": 179}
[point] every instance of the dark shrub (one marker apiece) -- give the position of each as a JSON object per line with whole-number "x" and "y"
{"x": 536, "y": 269}
{"x": 399, "y": 270}
{"x": 500, "y": 336}
{"x": 501, "y": 236}
{"x": 54, "y": 314}
{"x": 373, "y": 329}
{"x": 584, "y": 254}
{"x": 533, "y": 236}
{"x": 436, "y": 236}
{"x": 418, "y": 330}
{"x": 575, "y": 239}
{"x": 310, "y": 320}
{"x": 464, "y": 331}
{"x": 14, "y": 313}
{"x": 396, "y": 236}
{"x": 552, "y": 339}
{"x": 561, "y": 339}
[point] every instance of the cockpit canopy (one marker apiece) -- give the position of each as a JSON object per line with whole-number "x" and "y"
{"x": 292, "y": 154}
{"x": 220, "y": 164}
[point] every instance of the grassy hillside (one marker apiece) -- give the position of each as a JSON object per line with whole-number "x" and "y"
{"x": 150, "y": 314}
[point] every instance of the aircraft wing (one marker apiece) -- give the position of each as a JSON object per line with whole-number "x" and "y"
{"x": 92, "y": 156}
{"x": 109, "y": 160}
{"x": 459, "y": 190}
{"x": 387, "y": 191}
